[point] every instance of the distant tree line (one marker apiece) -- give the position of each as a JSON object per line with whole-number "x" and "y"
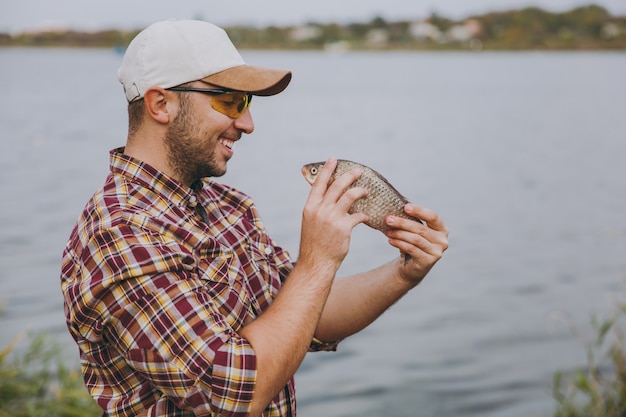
{"x": 69, "y": 38}
{"x": 585, "y": 28}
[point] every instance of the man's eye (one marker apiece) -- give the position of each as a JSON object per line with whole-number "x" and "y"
{"x": 228, "y": 103}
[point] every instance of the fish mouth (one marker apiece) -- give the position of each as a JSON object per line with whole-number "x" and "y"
{"x": 307, "y": 177}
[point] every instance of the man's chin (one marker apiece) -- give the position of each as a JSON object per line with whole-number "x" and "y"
{"x": 216, "y": 172}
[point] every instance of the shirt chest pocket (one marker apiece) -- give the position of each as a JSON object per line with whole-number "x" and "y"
{"x": 261, "y": 256}
{"x": 263, "y": 278}
{"x": 215, "y": 263}
{"x": 218, "y": 269}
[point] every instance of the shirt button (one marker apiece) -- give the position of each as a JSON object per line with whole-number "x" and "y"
{"x": 193, "y": 201}
{"x": 267, "y": 250}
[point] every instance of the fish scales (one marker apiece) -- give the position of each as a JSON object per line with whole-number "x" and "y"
{"x": 381, "y": 201}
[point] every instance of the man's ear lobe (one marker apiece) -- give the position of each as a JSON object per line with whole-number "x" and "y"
{"x": 155, "y": 100}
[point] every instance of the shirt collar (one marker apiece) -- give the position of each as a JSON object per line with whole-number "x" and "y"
{"x": 200, "y": 192}
{"x": 148, "y": 176}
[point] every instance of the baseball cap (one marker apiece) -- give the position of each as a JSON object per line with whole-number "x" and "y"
{"x": 174, "y": 52}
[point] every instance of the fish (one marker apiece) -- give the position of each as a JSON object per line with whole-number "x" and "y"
{"x": 381, "y": 201}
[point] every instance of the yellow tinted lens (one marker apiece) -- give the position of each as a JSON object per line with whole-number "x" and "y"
{"x": 231, "y": 104}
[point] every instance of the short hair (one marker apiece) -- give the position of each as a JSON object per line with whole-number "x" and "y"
{"x": 136, "y": 111}
{"x": 135, "y": 116}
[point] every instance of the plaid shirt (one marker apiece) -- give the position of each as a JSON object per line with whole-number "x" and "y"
{"x": 158, "y": 279}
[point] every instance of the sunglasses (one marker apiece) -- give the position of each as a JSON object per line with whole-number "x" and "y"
{"x": 228, "y": 102}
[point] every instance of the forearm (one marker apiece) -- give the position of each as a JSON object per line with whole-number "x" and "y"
{"x": 282, "y": 335}
{"x": 356, "y": 301}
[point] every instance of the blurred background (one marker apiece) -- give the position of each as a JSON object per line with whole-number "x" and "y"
{"x": 507, "y": 118}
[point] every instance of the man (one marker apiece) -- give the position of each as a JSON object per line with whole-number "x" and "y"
{"x": 179, "y": 301}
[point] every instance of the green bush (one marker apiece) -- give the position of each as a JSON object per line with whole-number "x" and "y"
{"x": 37, "y": 384}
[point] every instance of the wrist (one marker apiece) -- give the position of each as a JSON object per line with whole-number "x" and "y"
{"x": 406, "y": 276}
{"x": 318, "y": 268}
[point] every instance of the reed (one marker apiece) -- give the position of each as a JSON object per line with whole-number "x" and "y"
{"x": 598, "y": 390}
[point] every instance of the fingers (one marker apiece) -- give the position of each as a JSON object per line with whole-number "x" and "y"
{"x": 333, "y": 199}
{"x": 319, "y": 187}
{"x": 334, "y": 189}
{"x": 339, "y": 190}
{"x": 414, "y": 237}
{"x": 430, "y": 217}
{"x": 326, "y": 223}
{"x": 424, "y": 243}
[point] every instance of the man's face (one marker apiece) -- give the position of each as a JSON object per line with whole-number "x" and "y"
{"x": 200, "y": 139}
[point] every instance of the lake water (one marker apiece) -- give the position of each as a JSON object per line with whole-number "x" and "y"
{"x": 522, "y": 154}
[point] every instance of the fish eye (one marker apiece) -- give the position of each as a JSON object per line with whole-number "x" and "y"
{"x": 314, "y": 171}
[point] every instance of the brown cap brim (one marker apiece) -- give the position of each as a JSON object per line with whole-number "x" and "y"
{"x": 256, "y": 80}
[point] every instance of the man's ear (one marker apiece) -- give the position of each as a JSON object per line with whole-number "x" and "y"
{"x": 156, "y": 102}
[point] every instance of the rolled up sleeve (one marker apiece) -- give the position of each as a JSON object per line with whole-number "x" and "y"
{"x": 172, "y": 339}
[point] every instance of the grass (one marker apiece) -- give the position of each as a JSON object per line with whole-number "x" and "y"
{"x": 37, "y": 384}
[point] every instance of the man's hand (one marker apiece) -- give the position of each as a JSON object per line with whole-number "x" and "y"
{"x": 326, "y": 224}
{"x": 425, "y": 243}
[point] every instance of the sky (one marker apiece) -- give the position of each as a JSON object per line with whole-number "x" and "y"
{"x": 29, "y": 15}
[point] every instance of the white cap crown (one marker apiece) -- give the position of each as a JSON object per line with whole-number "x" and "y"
{"x": 174, "y": 52}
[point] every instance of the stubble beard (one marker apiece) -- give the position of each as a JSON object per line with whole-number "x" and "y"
{"x": 190, "y": 154}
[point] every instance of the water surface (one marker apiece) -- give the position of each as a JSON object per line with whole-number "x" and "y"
{"x": 522, "y": 154}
